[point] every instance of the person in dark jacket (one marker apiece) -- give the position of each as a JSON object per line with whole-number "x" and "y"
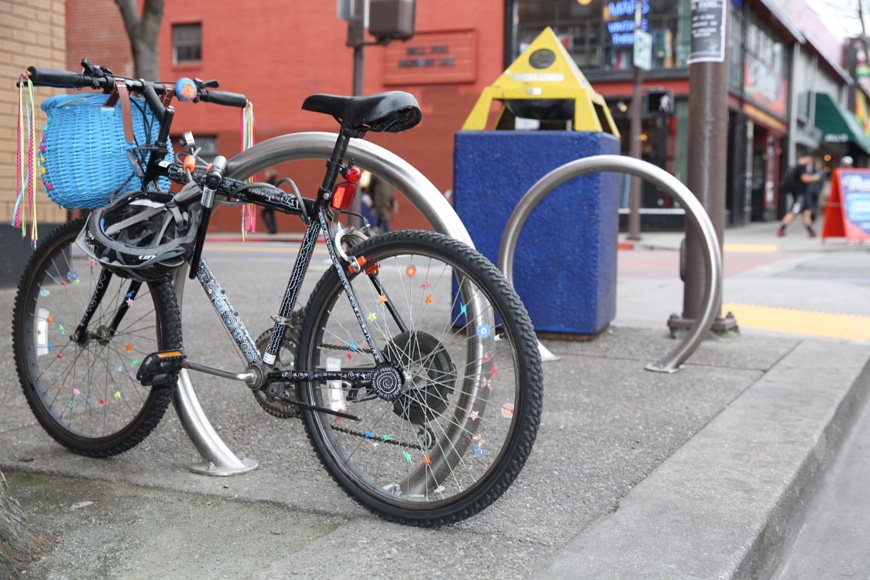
{"x": 804, "y": 174}
{"x": 383, "y": 203}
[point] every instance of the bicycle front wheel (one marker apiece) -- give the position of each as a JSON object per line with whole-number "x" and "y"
{"x": 463, "y": 425}
{"x": 84, "y": 392}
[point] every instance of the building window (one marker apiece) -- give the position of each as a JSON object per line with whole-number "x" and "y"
{"x": 186, "y": 43}
{"x": 599, "y": 34}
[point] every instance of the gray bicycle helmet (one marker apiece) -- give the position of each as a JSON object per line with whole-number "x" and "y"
{"x": 143, "y": 235}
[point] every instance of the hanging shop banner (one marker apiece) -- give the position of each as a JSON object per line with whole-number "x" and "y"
{"x": 861, "y": 111}
{"x": 848, "y": 212}
{"x": 856, "y": 59}
{"x": 764, "y": 87}
{"x": 708, "y": 30}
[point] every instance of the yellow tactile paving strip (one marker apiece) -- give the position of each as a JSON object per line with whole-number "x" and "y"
{"x": 803, "y": 322}
{"x": 751, "y": 248}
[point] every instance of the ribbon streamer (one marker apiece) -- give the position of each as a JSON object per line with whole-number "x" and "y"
{"x": 26, "y": 176}
{"x": 249, "y": 213}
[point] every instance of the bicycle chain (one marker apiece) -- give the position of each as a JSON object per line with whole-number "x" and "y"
{"x": 380, "y": 440}
{"x": 351, "y": 432}
{"x": 344, "y": 348}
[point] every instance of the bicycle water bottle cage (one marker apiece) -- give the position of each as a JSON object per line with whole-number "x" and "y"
{"x": 390, "y": 112}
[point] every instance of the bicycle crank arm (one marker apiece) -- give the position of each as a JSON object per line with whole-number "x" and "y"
{"x": 247, "y": 377}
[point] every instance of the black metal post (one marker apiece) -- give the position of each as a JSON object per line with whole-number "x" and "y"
{"x": 634, "y": 149}
{"x": 356, "y": 39}
{"x": 707, "y": 159}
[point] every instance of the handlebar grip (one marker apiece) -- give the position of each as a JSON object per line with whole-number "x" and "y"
{"x": 223, "y": 98}
{"x": 64, "y": 79}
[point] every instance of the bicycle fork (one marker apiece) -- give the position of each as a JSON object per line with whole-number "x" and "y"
{"x": 81, "y": 334}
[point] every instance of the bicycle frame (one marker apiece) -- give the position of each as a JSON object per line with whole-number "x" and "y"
{"x": 319, "y": 213}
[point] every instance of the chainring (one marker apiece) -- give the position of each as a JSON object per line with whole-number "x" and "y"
{"x": 285, "y": 360}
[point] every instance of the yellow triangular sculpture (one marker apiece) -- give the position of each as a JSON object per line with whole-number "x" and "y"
{"x": 545, "y": 71}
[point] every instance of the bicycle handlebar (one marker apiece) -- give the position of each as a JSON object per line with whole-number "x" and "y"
{"x": 64, "y": 79}
{"x": 152, "y": 91}
{"x": 223, "y": 98}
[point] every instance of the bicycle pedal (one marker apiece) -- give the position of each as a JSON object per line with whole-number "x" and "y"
{"x": 160, "y": 367}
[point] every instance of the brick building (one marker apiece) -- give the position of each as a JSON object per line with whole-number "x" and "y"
{"x": 32, "y": 32}
{"x": 279, "y": 52}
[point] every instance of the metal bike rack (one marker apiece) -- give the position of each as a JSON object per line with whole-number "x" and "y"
{"x": 218, "y": 459}
{"x": 698, "y": 217}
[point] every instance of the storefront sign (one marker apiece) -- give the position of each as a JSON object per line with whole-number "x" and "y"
{"x": 620, "y": 18}
{"x": 765, "y": 119}
{"x": 848, "y": 212}
{"x": 764, "y": 87}
{"x": 708, "y": 30}
{"x": 432, "y": 57}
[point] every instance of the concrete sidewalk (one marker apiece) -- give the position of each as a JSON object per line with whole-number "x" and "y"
{"x": 700, "y": 474}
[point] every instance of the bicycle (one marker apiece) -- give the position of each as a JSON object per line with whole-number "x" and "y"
{"x": 421, "y": 390}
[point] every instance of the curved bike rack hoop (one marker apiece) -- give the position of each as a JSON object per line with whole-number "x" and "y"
{"x": 218, "y": 459}
{"x": 694, "y": 210}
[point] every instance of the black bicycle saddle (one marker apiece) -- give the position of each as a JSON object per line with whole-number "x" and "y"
{"x": 392, "y": 112}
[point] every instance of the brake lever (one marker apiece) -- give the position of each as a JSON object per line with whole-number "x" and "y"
{"x": 201, "y": 84}
{"x": 95, "y": 70}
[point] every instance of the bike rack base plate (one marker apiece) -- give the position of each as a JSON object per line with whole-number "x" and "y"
{"x": 209, "y": 468}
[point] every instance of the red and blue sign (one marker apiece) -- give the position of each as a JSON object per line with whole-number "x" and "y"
{"x": 848, "y": 212}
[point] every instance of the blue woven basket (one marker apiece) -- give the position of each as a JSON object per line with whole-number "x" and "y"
{"x": 83, "y": 156}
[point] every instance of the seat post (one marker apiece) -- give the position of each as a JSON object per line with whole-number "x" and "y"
{"x": 333, "y": 164}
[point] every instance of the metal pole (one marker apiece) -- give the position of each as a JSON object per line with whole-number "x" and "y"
{"x": 356, "y": 39}
{"x": 695, "y": 215}
{"x": 356, "y": 33}
{"x": 706, "y": 172}
{"x": 636, "y": 131}
{"x": 218, "y": 459}
{"x": 358, "y": 70}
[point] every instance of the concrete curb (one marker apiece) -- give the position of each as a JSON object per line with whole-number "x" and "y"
{"x": 729, "y": 503}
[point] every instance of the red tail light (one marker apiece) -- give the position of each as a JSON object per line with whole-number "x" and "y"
{"x": 342, "y": 198}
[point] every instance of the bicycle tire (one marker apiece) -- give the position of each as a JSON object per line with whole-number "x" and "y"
{"x": 86, "y": 396}
{"x": 463, "y": 426}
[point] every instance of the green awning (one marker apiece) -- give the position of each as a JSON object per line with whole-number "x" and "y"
{"x": 837, "y": 124}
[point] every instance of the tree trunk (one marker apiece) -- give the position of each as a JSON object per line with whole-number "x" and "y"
{"x": 18, "y": 545}
{"x": 142, "y": 32}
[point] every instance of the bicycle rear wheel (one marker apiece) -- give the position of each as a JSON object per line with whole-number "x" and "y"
{"x": 464, "y": 423}
{"x": 85, "y": 393}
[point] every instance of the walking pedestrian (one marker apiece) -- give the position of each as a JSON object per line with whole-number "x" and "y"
{"x": 796, "y": 180}
{"x": 383, "y": 203}
{"x": 814, "y": 190}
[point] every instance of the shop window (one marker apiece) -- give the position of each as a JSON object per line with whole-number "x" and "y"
{"x": 186, "y": 43}
{"x": 599, "y": 34}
